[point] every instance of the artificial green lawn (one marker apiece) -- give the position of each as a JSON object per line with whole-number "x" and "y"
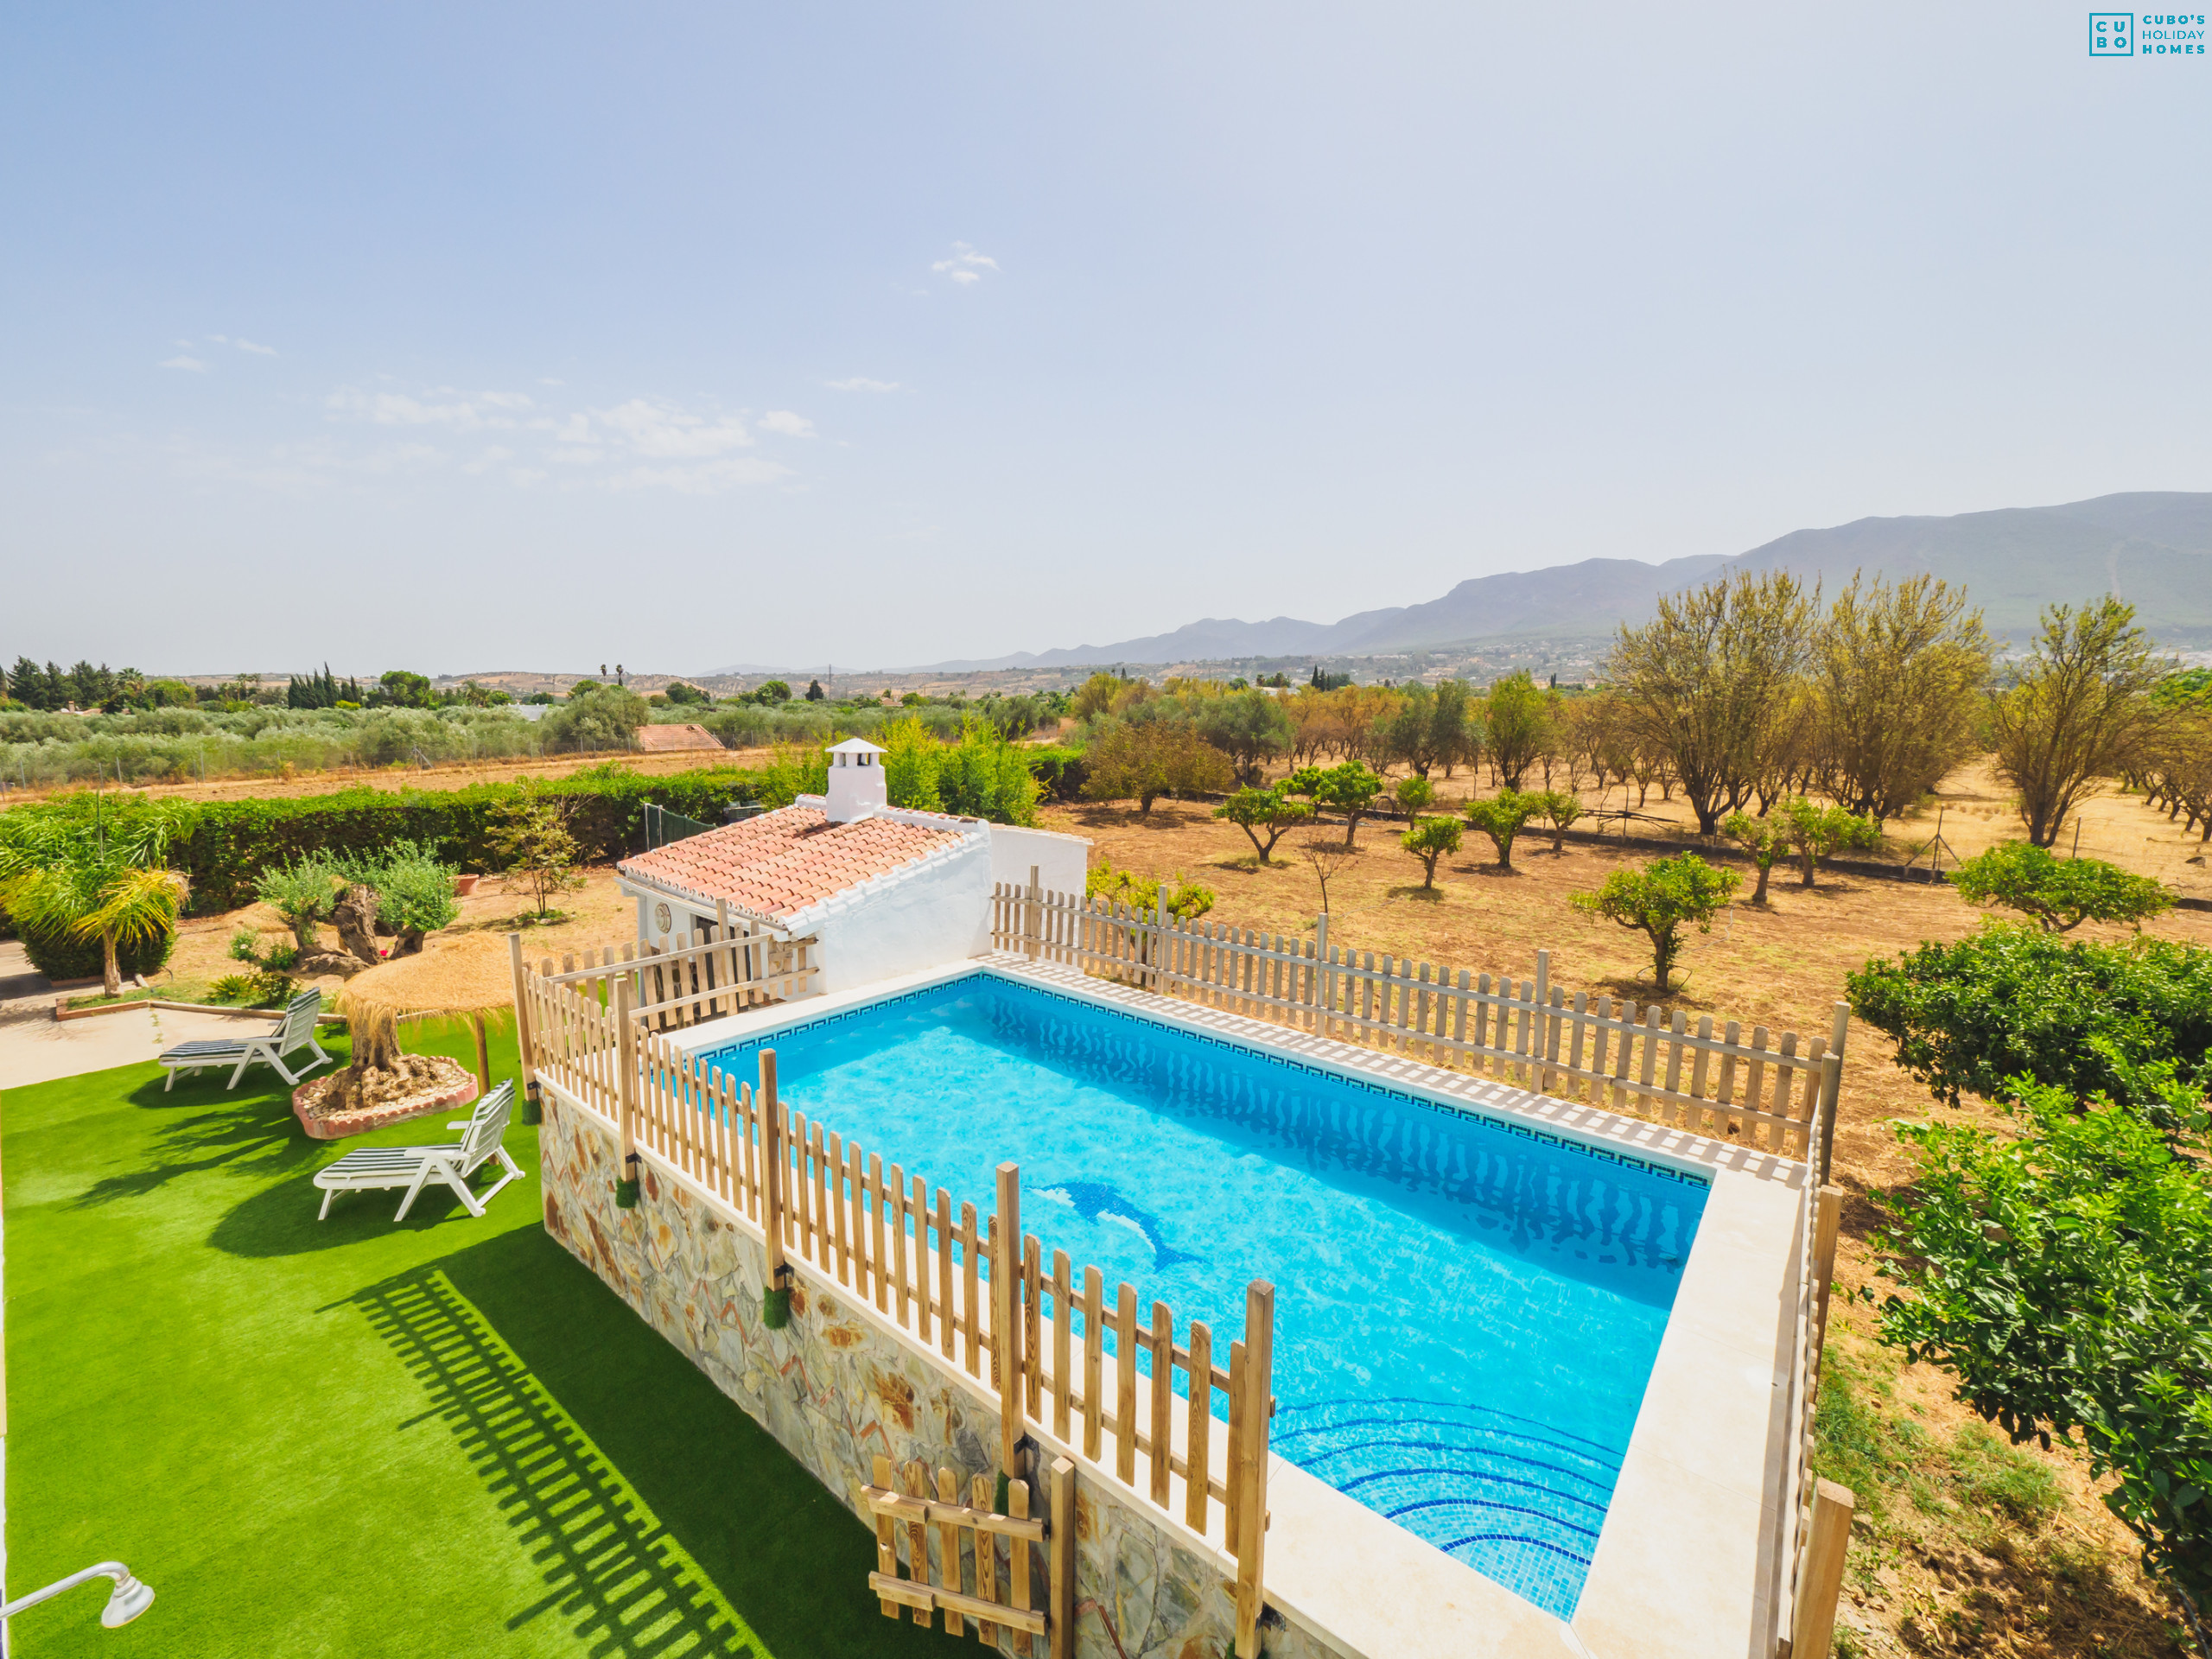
{"x": 356, "y": 1438}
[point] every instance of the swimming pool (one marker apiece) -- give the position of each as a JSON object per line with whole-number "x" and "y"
{"x": 1466, "y": 1310}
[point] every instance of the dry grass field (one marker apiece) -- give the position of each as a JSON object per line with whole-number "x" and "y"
{"x": 1964, "y": 1545}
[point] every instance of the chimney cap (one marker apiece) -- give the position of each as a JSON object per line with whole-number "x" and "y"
{"x": 855, "y": 745}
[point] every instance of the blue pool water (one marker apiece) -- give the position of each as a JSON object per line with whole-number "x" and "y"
{"x": 1465, "y": 1312}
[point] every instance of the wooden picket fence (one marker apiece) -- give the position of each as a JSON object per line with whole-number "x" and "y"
{"x": 976, "y": 1287}
{"x": 678, "y": 981}
{"x": 1762, "y": 1089}
{"x": 965, "y": 1581}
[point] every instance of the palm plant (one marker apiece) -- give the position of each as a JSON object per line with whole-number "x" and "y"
{"x": 105, "y": 878}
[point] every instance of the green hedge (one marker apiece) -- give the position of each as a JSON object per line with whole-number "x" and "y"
{"x": 58, "y": 957}
{"x": 229, "y": 843}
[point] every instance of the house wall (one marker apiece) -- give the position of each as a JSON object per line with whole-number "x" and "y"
{"x": 840, "y": 1383}
{"x": 915, "y": 918}
{"x": 1061, "y": 862}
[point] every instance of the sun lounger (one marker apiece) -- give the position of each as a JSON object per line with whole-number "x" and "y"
{"x": 294, "y": 1032}
{"x": 414, "y": 1167}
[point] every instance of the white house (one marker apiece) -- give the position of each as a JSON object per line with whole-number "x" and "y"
{"x": 885, "y": 890}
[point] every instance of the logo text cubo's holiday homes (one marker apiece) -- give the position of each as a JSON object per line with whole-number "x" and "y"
{"x": 2146, "y": 35}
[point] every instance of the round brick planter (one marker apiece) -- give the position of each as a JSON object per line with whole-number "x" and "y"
{"x": 460, "y": 1090}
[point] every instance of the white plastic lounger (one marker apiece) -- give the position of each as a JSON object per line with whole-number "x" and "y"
{"x": 413, "y": 1168}
{"x": 294, "y": 1032}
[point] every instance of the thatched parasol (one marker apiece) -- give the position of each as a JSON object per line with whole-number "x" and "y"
{"x": 465, "y": 976}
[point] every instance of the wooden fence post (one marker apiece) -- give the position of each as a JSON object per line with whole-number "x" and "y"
{"x": 1062, "y": 1576}
{"x": 1827, "y": 1219}
{"x": 533, "y": 1108}
{"x": 1032, "y": 917}
{"x": 776, "y": 1295}
{"x": 1006, "y": 1314}
{"x": 1832, "y": 1085}
{"x": 1252, "y": 1407}
{"x": 1819, "y": 1571}
{"x": 625, "y": 1039}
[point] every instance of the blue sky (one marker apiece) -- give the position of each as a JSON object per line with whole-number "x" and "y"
{"x": 476, "y": 338}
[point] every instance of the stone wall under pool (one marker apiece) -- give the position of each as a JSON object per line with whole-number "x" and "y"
{"x": 840, "y": 1385}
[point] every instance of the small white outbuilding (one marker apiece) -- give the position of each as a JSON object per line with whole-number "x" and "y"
{"x": 885, "y": 890}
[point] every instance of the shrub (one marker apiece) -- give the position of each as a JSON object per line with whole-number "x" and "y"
{"x": 531, "y": 841}
{"x": 1967, "y": 1018}
{"x": 983, "y": 776}
{"x": 303, "y": 893}
{"x": 60, "y": 955}
{"x": 1060, "y": 772}
{"x": 607, "y": 718}
{"x": 1661, "y": 899}
{"x": 2060, "y": 893}
{"x": 414, "y": 890}
{"x": 1561, "y": 807}
{"x": 2059, "y": 1278}
{"x": 1185, "y": 900}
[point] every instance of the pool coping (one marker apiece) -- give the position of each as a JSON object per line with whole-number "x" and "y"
{"x": 1685, "y": 1563}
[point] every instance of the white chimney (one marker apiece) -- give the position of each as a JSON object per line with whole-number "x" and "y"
{"x": 856, "y": 783}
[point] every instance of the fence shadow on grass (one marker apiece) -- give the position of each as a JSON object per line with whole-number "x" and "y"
{"x": 569, "y": 1403}
{"x": 611, "y": 1569}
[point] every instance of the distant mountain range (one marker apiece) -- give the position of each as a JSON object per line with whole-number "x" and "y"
{"x": 2152, "y": 548}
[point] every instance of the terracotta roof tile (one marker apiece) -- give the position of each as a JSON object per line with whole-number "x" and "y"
{"x": 782, "y": 862}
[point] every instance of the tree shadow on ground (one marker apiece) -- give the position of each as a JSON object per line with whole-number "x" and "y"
{"x": 1418, "y": 893}
{"x": 281, "y": 1219}
{"x": 656, "y": 1507}
{"x": 253, "y": 1135}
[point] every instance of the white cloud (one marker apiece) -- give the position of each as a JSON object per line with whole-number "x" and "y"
{"x": 663, "y": 432}
{"x": 966, "y": 266}
{"x": 642, "y": 443}
{"x": 192, "y": 362}
{"x": 861, "y": 383}
{"x": 705, "y": 480}
{"x": 258, "y": 351}
{"x": 396, "y": 408}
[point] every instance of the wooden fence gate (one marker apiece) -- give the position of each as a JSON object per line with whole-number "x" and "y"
{"x": 969, "y": 1535}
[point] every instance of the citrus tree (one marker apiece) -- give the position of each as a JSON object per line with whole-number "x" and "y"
{"x": 1762, "y": 839}
{"x": 1813, "y": 831}
{"x": 1502, "y": 817}
{"x": 1660, "y": 901}
{"x": 2059, "y": 894}
{"x": 1429, "y": 840}
{"x": 1349, "y": 788}
{"x": 1259, "y": 812}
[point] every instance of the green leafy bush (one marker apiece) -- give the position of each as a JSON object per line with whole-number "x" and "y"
{"x": 60, "y": 955}
{"x": 2060, "y": 893}
{"x": 1968, "y": 1018}
{"x": 414, "y": 890}
{"x": 2060, "y": 1278}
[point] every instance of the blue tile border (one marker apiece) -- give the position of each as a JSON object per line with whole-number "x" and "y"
{"x": 1251, "y": 1050}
